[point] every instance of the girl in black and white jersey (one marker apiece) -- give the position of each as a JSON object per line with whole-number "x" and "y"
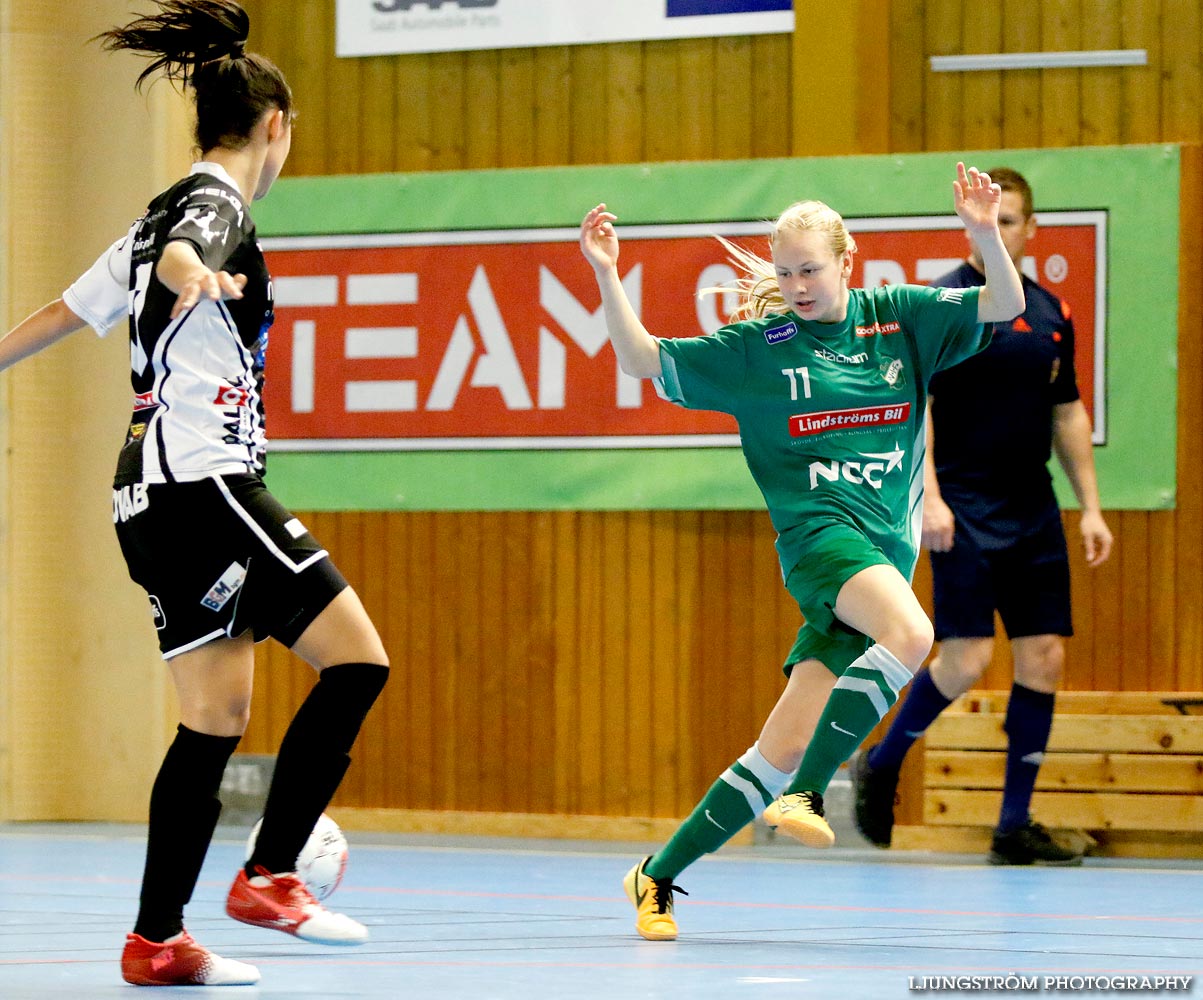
{"x": 223, "y": 563}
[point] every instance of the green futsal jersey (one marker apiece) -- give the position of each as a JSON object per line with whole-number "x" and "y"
{"x": 832, "y": 415}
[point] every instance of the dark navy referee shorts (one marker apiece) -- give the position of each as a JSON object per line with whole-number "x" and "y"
{"x": 1027, "y": 582}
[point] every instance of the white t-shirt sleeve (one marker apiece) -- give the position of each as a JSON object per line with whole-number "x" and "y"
{"x": 100, "y": 296}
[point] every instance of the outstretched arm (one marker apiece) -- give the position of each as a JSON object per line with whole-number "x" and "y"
{"x": 977, "y": 201}
{"x": 637, "y": 350}
{"x": 182, "y": 271}
{"x": 49, "y": 324}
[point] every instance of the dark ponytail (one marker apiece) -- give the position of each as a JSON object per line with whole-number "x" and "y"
{"x": 201, "y": 44}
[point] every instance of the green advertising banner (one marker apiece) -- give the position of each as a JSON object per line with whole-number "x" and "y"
{"x": 438, "y": 344}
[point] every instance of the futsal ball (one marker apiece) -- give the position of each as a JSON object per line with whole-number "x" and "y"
{"x": 322, "y": 860}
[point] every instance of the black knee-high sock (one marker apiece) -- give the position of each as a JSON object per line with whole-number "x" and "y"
{"x": 183, "y": 813}
{"x": 313, "y": 758}
{"x": 1028, "y": 724}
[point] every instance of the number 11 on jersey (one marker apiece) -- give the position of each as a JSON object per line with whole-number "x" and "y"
{"x": 791, "y": 373}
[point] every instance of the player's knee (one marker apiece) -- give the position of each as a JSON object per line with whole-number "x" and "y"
{"x": 1041, "y": 664}
{"x": 237, "y": 713}
{"x": 911, "y": 640}
{"x": 379, "y": 655}
{"x": 369, "y": 650}
{"x": 954, "y": 676}
{"x": 218, "y": 717}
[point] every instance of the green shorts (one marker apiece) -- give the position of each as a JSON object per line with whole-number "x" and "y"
{"x": 831, "y": 557}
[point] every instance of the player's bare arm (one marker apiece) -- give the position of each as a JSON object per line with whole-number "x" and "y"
{"x": 1075, "y": 452}
{"x": 51, "y": 323}
{"x": 977, "y": 202}
{"x": 637, "y": 350}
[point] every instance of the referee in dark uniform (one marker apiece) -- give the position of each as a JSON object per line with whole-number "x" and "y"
{"x": 994, "y": 529}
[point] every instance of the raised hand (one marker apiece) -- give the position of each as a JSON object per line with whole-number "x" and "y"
{"x": 976, "y": 199}
{"x": 599, "y": 243}
{"x": 203, "y": 283}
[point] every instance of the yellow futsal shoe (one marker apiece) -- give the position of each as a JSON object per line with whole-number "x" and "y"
{"x": 653, "y": 901}
{"x": 800, "y": 816}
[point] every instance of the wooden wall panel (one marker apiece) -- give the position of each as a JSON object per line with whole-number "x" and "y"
{"x": 516, "y": 109}
{"x": 1101, "y": 92}
{"x": 736, "y": 121}
{"x": 1060, "y": 88}
{"x": 943, "y": 106}
{"x": 552, "y": 128}
{"x": 1140, "y": 28}
{"x": 614, "y": 663}
{"x": 1021, "y": 88}
{"x": 1187, "y": 546}
{"x": 982, "y": 31}
{"x": 600, "y": 663}
{"x": 1181, "y": 93}
{"x": 707, "y": 98}
{"x": 684, "y": 99}
{"x": 907, "y": 76}
{"x": 772, "y": 98}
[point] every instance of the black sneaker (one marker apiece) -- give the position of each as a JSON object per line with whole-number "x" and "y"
{"x": 1030, "y": 845}
{"x": 875, "y": 790}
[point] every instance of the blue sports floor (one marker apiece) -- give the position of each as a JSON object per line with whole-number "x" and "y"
{"x": 504, "y": 919}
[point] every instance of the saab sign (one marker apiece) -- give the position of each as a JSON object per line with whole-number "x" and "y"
{"x": 497, "y": 340}
{"x": 381, "y": 27}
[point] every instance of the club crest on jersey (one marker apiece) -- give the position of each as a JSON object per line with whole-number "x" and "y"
{"x": 227, "y": 585}
{"x": 208, "y": 224}
{"x": 781, "y": 333}
{"x": 892, "y": 373}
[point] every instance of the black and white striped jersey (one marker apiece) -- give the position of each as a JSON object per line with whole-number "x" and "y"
{"x": 197, "y": 379}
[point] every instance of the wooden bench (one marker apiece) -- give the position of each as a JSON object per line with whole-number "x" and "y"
{"x": 1123, "y": 774}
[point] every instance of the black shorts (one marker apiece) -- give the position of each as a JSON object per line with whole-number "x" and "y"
{"x": 1027, "y": 582}
{"x": 220, "y": 556}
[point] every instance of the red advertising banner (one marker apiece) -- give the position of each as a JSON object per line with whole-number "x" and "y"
{"x": 496, "y": 340}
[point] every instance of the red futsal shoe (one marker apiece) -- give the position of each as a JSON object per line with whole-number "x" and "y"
{"x": 282, "y": 903}
{"x": 180, "y": 961}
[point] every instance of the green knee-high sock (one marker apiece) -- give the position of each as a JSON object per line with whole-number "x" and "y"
{"x": 740, "y": 795}
{"x": 860, "y": 700}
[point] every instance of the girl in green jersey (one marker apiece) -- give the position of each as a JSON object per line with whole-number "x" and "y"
{"x": 836, "y": 446}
